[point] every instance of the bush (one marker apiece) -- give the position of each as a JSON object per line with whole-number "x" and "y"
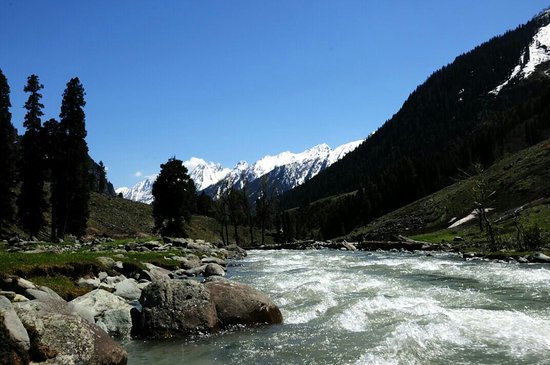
{"x": 532, "y": 237}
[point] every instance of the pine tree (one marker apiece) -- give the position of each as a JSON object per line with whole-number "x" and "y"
{"x": 32, "y": 201}
{"x": 7, "y": 156}
{"x": 71, "y": 179}
{"x": 102, "y": 183}
{"x": 174, "y": 194}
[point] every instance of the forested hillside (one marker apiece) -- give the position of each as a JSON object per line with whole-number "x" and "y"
{"x": 448, "y": 123}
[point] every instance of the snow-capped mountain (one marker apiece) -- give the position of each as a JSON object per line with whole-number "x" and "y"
{"x": 141, "y": 192}
{"x": 203, "y": 174}
{"x": 284, "y": 172}
{"x": 536, "y": 54}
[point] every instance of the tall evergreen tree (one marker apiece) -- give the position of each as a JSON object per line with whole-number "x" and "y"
{"x": 32, "y": 201}
{"x": 174, "y": 193}
{"x": 102, "y": 183}
{"x": 7, "y": 156}
{"x": 71, "y": 177}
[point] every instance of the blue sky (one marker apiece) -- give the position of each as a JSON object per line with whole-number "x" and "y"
{"x": 232, "y": 80}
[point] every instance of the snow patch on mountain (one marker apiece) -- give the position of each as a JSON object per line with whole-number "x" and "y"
{"x": 287, "y": 170}
{"x": 203, "y": 174}
{"x": 537, "y": 53}
{"x": 141, "y": 192}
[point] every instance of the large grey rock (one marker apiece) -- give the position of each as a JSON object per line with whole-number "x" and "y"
{"x": 213, "y": 270}
{"x": 540, "y": 258}
{"x": 68, "y": 340}
{"x": 174, "y": 308}
{"x": 213, "y": 260}
{"x": 195, "y": 271}
{"x": 128, "y": 289}
{"x": 46, "y": 300}
{"x": 14, "y": 329}
{"x": 200, "y": 247}
{"x": 240, "y": 304}
{"x": 111, "y": 313}
{"x": 188, "y": 262}
{"x": 156, "y": 273}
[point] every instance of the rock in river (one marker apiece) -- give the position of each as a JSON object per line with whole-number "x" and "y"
{"x": 238, "y": 303}
{"x": 174, "y": 308}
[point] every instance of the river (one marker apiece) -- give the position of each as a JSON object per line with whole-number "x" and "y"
{"x": 379, "y": 308}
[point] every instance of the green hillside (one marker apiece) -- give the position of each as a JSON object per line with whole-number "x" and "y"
{"x": 447, "y": 124}
{"x": 520, "y": 180}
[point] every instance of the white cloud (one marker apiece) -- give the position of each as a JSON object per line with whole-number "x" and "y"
{"x": 138, "y": 174}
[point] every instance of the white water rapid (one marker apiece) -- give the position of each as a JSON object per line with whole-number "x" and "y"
{"x": 379, "y": 308}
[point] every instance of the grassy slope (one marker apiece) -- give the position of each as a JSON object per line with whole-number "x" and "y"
{"x": 121, "y": 218}
{"x": 517, "y": 180}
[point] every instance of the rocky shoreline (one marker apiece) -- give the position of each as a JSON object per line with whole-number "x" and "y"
{"x": 38, "y": 326}
{"x": 400, "y": 243}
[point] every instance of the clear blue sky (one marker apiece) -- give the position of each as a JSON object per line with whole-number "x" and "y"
{"x": 229, "y": 80}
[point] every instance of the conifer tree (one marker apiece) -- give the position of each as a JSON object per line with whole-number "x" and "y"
{"x": 174, "y": 194}
{"x": 71, "y": 179}
{"x": 31, "y": 201}
{"x": 7, "y": 156}
{"x": 102, "y": 183}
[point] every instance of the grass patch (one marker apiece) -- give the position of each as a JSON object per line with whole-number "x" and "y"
{"x": 436, "y": 237}
{"x": 62, "y": 285}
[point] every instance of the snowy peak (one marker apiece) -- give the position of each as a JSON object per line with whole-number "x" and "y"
{"x": 205, "y": 173}
{"x": 536, "y": 54}
{"x": 286, "y": 170}
{"x": 141, "y": 192}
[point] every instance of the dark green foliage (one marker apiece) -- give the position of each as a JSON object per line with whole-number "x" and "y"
{"x": 448, "y": 123}
{"x": 32, "y": 200}
{"x": 70, "y": 191}
{"x": 532, "y": 238}
{"x": 7, "y": 156}
{"x": 102, "y": 183}
{"x": 237, "y": 205}
{"x": 174, "y": 193}
{"x": 205, "y": 205}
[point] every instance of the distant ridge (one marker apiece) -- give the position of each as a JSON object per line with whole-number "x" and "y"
{"x": 283, "y": 171}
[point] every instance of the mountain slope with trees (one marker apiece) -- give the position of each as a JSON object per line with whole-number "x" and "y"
{"x": 448, "y": 123}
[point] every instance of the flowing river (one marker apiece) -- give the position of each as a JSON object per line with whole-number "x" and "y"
{"x": 379, "y": 308}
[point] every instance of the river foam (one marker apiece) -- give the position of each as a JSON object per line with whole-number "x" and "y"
{"x": 381, "y": 308}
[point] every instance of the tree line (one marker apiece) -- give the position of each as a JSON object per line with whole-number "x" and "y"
{"x": 175, "y": 200}
{"x": 48, "y": 169}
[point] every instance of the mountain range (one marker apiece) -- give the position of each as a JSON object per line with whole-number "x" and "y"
{"x": 284, "y": 171}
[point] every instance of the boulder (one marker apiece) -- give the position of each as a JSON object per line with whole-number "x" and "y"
{"x": 213, "y": 260}
{"x": 111, "y": 313}
{"x": 188, "y": 262}
{"x": 10, "y": 351}
{"x": 214, "y": 270}
{"x": 156, "y": 273}
{"x": 92, "y": 283}
{"x": 195, "y": 271}
{"x": 14, "y": 339}
{"x": 539, "y": 257}
{"x": 175, "y": 241}
{"x": 240, "y": 304}
{"x": 64, "y": 339}
{"x": 128, "y": 289}
{"x": 172, "y": 308}
{"x": 201, "y": 247}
